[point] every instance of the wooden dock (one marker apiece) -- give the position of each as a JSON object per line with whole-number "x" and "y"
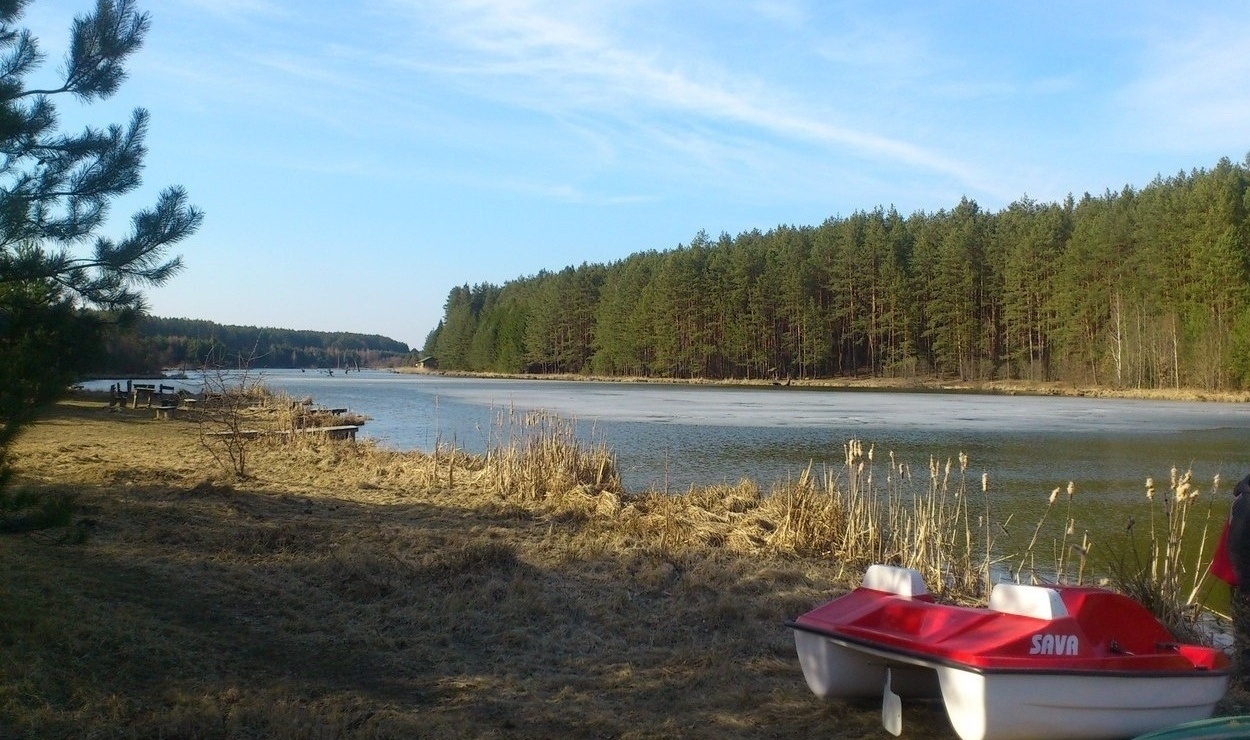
{"x": 343, "y": 431}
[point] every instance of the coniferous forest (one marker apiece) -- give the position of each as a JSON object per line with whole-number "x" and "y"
{"x": 157, "y": 343}
{"x": 1140, "y": 288}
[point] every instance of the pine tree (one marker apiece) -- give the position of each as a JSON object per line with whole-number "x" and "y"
{"x": 55, "y": 191}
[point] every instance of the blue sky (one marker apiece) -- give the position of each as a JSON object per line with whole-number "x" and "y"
{"x": 356, "y": 160}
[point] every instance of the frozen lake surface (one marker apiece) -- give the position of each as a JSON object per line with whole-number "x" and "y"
{"x": 668, "y": 437}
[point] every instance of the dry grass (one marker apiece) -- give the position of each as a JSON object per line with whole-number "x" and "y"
{"x": 347, "y": 591}
{"x": 344, "y": 591}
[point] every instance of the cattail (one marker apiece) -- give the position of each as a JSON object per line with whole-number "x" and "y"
{"x": 985, "y": 482}
{"x": 1054, "y": 495}
{"x": 854, "y": 451}
{"x": 1071, "y": 489}
{"x": 963, "y": 462}
{"x": 1150, "y": 489}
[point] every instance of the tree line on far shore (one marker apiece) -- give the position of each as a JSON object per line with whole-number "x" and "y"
{"x": 157, "y": 343}
{"x": 1142, "y": 288}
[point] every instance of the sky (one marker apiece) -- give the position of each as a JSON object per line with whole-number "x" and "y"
{"x": 355, "y": 161}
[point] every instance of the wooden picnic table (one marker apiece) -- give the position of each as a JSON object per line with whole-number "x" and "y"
{"x": 150, "y": 392}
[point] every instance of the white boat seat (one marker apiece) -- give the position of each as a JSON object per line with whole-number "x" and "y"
{"x": 892, "y": 579}
{"x": 1038, "y": 602}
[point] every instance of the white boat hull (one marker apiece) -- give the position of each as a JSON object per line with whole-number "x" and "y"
{"x": 834, "y": 671}
{"x": 1006, "y": 705}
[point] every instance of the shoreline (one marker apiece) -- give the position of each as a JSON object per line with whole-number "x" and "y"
{"x": 896, "y": 385}
{"x": 901, "y": 385}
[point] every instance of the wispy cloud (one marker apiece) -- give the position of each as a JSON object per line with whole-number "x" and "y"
{"x": 1192, "y": 87}
{"x": 566, "y": 60}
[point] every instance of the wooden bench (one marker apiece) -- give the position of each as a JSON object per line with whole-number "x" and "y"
{"x": 317, "y": 410}
{"x": 117, "y": 399}
{"x": 344, "y": 431}
{"x": 166, "y": 410}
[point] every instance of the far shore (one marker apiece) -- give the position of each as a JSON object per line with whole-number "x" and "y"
{"x": 929, "y": 385}
{"x": 864, "y": 383}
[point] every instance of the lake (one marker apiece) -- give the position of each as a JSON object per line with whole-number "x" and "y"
{"x": 669, "y": 437}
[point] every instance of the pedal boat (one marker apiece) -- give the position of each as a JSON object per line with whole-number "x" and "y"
{"x": 1053, "y": 661}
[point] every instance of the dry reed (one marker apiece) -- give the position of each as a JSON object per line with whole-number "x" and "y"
{"x": 1168, "y": 571}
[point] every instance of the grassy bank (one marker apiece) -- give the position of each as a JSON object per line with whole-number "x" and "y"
{"x": 346, "y": 591}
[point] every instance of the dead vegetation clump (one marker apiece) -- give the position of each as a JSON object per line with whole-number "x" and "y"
{"x": 538, "y": 457}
